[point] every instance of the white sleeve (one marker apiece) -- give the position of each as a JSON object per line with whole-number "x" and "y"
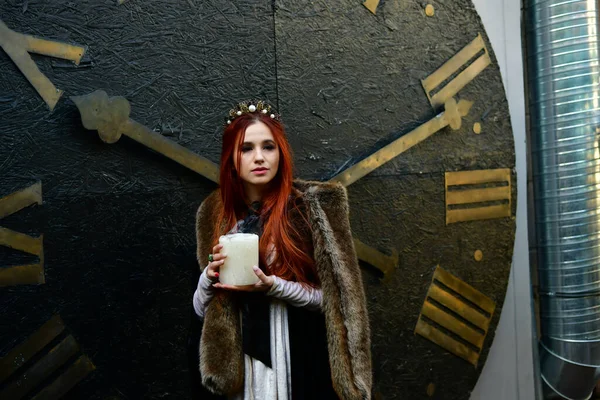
{"x": 296, "y": 294}
{"x": 203, "y": 294}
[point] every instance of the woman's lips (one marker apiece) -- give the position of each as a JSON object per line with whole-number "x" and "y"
{"x": 260, "y": 171}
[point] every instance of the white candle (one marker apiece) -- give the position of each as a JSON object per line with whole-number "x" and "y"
{"x": 242, "y": 255}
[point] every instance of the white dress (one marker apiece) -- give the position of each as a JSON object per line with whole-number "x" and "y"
{"x": 260, "y": 381}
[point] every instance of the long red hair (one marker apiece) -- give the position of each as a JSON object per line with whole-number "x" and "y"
{"x": 292, "y": 260}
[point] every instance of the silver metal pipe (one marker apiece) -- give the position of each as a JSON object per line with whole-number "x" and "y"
{"x": 563, "y": 68}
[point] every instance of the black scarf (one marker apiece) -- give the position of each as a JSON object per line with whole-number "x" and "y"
{"x": 256, "y": 329}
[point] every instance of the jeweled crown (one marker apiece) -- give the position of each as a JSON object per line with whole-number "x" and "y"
{"x": 249, "y": 107}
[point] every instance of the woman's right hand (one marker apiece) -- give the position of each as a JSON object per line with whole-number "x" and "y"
{"x": 212, "y": 270}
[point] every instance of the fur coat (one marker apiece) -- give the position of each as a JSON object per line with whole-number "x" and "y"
{"x": 344, "y": 304}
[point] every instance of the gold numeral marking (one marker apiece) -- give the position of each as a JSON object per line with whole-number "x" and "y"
{"x": 475, "y": 195}
{"x": 24, "y": 384}
{"x": 22, "y": 274}
{"x": 19, "y": 355}
{"x": 386, "y": 264}
{"x": 65, "y": 382}
{"x": 371, "y": 5}
{"x": 439, "y": 79}
{"x": 20, "y": 241}
{"x": 19, "y": 200}
{"x": 455, "y": 316}
{"x": 17, "y": 46}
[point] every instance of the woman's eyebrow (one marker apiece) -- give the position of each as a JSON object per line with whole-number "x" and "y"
{"x": 268, "y": 141}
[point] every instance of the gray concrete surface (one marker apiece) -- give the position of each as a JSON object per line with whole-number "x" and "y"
{"x": 509, "y": 371}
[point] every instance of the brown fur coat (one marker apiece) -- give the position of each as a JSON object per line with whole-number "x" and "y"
{"x": 344, "y": 304}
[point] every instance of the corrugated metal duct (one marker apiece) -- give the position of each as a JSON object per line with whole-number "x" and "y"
{"x": 563, "y": 81}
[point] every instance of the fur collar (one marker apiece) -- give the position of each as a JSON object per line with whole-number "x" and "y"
{"x": 344, "y": 304}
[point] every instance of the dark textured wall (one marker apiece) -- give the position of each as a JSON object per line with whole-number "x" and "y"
{"x": 118, "y": 219}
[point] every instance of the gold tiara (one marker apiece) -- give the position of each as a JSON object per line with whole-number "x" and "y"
{"x": 249, "y": 107}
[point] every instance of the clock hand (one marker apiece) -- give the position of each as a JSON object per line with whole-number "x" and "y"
{"x": 16, "y": 45}
{"x": 110, "y": 117}
{"x": 30, "y": 274}
{"x": 450, "y": 117}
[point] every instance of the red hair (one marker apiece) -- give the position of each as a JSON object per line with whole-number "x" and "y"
{"x": 292, "y": 260}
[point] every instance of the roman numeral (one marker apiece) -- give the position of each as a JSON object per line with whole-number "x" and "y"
{"x": 57, "y": 355}
{"x": 17, "y": 46}
{"x": 455, "y": 316}
{"x": 475, "y": 195}
{"x": 386, "y": 264}
{"x": 29, "y": 274}
{"x": 371, "y": 5}
{"x": 461, "y": 69}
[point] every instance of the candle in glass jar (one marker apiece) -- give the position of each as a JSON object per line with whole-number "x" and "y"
{"x": 242, "y": 255}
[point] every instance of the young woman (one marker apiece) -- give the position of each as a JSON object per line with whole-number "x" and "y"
{"x": 302, "y": 331}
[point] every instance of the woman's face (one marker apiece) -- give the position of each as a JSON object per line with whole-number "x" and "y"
{"x": 260, "y": 156}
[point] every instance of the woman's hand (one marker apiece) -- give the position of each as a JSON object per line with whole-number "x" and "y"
{"x": 264, "y": 284}
{"x": 212, "y": 270}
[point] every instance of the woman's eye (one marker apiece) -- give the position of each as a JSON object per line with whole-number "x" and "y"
{"x": 246, "y": 149}
{"x": 269, "y": 147}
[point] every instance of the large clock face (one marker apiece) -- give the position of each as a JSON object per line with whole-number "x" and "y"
{"x": 115, "y": 269}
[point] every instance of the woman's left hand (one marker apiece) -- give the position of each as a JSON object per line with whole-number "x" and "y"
{"x": 264, "y": 284}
